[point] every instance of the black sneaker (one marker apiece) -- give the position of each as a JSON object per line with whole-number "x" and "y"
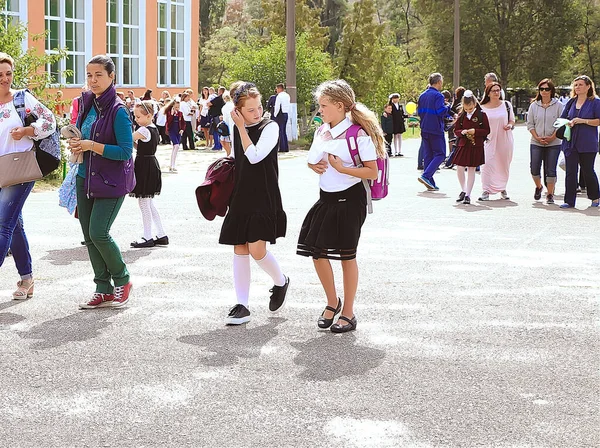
{"x": 278, "y": 296}
{"x": 538, "y": 193}
{"x": 461, "y": 196}
{"x": 467, "y": 200}
{"x": 238, "y": 315}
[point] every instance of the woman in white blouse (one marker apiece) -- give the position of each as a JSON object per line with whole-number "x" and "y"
{"x": 14, "y": 137}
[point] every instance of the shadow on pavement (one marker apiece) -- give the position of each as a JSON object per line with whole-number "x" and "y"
{"x": 590, "y": 211}
{"x": 77, "y": 327}
{"x": 8, "y": 319}
{"x": 499, "y": 203}
{"x": 229, "y": 344}
{"x": 10, "y": 303}
{"x": 432, "y": 195}
{"x": 472, "y": 207}
{"x": 329, "y": 357}
{"x": 63, "y": 257}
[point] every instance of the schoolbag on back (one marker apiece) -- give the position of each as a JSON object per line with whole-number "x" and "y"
{"x": 47, "y": 150}
{"x": 378, "y": 188}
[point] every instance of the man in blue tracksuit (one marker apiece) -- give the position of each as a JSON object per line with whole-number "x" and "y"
{"x": 432, "y": 110}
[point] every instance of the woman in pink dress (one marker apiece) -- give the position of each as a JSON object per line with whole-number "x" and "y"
{"x": 499, "y": 146}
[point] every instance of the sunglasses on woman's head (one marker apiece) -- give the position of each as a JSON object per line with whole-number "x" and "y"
{"x": 545, "y": 89}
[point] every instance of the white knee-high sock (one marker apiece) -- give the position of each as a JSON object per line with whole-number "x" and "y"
{"x": 241, "y": 278}
{"x": 460, "y": 173}
{"x": 174, "y": 155}
{"x": 270, "y": 266}
{"x": 470, "y": 180}
{"x": 144, "y": 204}
{"x": 398, "y": 143}
{"x": 160, "y": 232}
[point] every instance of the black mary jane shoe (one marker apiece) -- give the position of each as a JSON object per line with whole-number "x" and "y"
{"x": 350, "y": 326}
{"x": 143, "y": 243}
{"x": 326, "y": 323}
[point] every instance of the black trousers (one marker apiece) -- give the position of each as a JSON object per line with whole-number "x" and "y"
{"x": 585, "y": 160}
{"x": 388, "y": 142}
{"x": 188, "y": 137}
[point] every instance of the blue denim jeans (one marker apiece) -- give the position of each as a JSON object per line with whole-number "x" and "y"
{"x": 548, "y": 155}
{"x": 12, "y": 234}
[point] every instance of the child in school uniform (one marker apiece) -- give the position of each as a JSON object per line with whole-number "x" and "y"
{"x": 471, "y": 129}
{"x": 147, "y": 175}
{"x": 255, "y": 213}
{"x": 331, "y": 229}
{"x": 387, "y": 125}
{"x": 399, "y": 125}
{"x": 175, "y": 129}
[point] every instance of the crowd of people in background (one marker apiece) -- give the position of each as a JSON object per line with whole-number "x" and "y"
{"x": 115, "y": 135}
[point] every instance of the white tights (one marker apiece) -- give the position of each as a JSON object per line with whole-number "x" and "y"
{"x": 241, "y": 274}
{"x": 466, "y": 186}
{"x": 397, "y": 144}
{"x": 174, "y": 156}
{"x": 150, "y": 215}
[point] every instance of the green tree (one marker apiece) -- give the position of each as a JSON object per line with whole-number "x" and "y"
{"x": 360, "y": 57}
{"x": 211, "y": 16}
{"x": 265, "y": 66}
{"x": 215, "y": 53}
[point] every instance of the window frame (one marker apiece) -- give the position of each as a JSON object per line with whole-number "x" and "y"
{"x": 85, "y": 54}
{"x": 21, "y": 16}
{"x": 168, "y": 57}
{"x": 141, "y": 44}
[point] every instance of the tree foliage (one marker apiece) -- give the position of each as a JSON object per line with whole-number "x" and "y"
{"x": 30, "y": 65}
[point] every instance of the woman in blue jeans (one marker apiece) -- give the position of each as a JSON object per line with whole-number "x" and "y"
{"x": 545, "y": 147}
{"x": 14, "y": 137}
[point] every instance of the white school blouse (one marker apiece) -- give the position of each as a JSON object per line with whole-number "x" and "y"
{"x": 44, "y": 126}
{"x": 333, "y": 141}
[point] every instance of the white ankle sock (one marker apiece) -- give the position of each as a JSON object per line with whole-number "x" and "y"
{"x": 241, "y": 278}
{"x": 270, "y": 266}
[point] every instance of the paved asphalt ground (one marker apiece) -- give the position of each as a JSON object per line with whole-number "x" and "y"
{"x": 477, "y": 326}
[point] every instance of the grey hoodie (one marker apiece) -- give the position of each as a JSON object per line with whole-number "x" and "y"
{"x": 542, "y": 120}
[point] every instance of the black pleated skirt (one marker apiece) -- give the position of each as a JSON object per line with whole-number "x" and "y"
{"x": 332, "y": 226}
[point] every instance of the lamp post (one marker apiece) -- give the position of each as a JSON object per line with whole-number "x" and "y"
{"x": 456, "y": 74}
{"x": 290, "y": 67}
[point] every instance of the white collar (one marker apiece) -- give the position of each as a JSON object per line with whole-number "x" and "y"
{"x": 339, "y": 128}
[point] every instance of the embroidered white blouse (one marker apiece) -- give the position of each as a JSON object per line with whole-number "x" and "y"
{"x": 44, "y": 126}
{"x": 333, "y": 141}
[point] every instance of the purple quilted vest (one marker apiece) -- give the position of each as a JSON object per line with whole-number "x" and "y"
{"x": 105, "y": 178}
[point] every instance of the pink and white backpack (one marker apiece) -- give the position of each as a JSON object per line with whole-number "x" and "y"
{"x": 377, "y": 188}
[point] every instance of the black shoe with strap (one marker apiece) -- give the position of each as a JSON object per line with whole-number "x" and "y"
{"x": 326, "y": 323}
{"x": 162, "y": 241}
{"x": 143, "y": 243}
{"x": 350, "y": 326}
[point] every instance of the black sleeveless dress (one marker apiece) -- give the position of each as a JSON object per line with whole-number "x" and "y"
{"x": 255, "y": 212}
{"x": 147, "y": 170}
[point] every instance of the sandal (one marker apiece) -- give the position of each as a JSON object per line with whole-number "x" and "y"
{"x": 326, "y": 323}
{"x": 350, "y": 326}
{"x": 24, "y": 290}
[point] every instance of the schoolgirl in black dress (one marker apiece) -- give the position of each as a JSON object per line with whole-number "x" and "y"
{"x": 255, "y": 213}
{"x": 399, "y": 126}
{"x": 331, "y": 229}
{"x": 147, "y": 175}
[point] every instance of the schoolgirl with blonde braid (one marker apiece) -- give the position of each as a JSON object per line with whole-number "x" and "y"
{"x": 331, "y": 229}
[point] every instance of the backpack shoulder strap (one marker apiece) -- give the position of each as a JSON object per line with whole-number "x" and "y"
{"x": 352, "y": 141}
{"x": 480, "y": 116}
{"x": 19, "y": 102}
{"x": 506, "y": 103}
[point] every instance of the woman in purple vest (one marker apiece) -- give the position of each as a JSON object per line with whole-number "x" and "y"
{"x": 104, "y": 178}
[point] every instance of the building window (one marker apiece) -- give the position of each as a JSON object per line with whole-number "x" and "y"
{"x": 123, "y": 39}
{"x": 65, "y": 23}
{"x": 11, "y": 11}
{"x": 173, "y": 27}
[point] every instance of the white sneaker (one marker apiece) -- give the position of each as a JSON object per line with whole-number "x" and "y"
{"x": 504, "y": 195}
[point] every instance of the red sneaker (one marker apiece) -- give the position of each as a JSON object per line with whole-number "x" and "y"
{"x": 99, "y": 300}
{"x": 122, "y": 295}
